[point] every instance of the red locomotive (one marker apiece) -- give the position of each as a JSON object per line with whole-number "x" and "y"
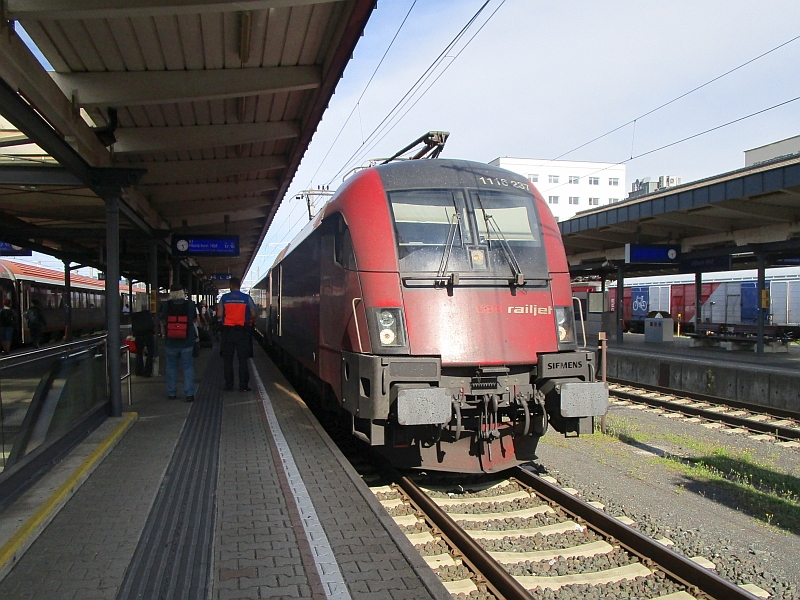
{"x": 431, "y": 300}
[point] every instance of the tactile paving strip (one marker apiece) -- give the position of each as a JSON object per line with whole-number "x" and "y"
{"x": 173, "y": 557}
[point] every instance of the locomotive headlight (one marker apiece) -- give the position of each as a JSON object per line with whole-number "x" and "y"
{"x": 386, "y": 319}
{"x": 388, "y": 328}
{"x": 565, "y": 325}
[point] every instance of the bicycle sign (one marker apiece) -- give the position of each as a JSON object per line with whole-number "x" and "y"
{"x": 639, "y": 304}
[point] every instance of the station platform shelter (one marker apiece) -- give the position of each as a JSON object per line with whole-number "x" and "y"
{"x": 235, "y": 495}
{"x": 154, "y": 141}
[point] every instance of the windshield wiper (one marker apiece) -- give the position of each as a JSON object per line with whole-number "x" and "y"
{"x": 448, "y": 249}
{"x": 505, "y": 248}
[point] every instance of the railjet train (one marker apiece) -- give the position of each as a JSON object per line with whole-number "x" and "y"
{"x": 431, "y": 300}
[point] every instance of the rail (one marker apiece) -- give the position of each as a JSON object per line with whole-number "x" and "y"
{"x": 676, "y": 566}
{"x": 742, "y": 421}
{"x": 500, "y": 581}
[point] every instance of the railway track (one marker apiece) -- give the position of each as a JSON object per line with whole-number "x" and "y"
{"x": 526, "y": 537}
{"x": 764, "y": 422}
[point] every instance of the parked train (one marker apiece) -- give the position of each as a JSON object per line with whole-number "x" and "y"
{"x": 22, "y": 282}
{"x": 431, "y": 300}
{"x": 730, "y": 297}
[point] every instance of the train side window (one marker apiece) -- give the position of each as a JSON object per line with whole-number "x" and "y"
{"x": 343, "y": 248}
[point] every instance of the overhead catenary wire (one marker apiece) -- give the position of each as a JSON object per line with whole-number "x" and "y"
{"x": 422, "y": 78}
{"x": 403, "y": 101}
{"x": 665, "y": 104}
{"x": 442, "y": 72}
{"x": 686, "y": 139}
{"x": 361, "y": 97}
{"x": 292, "y": 224}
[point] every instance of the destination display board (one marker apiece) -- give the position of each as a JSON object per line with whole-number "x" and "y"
{"x": 709, "y": 264}
{"x": 205, "y": 245}
{"x": 221, "y": 276}
{"x": 7, "y": 249}
{"x": 652, "y": 253}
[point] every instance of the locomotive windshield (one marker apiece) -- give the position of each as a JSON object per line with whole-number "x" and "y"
{"x": 473, "y": 231}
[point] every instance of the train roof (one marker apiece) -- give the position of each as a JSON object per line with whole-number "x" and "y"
{"x": 445, "y": 172}
{"x": 28, "y": 272}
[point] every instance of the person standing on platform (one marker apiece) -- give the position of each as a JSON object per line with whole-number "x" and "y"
{"x": 36, "y": 322}
{"x": 236, "y": 312}
{"x": 7, "y": 320}
{"x": 143, "y": 332}
{"x": 179, "y": 315}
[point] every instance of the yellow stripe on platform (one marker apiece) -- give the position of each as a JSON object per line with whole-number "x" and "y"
{"x": 9, "y": 551}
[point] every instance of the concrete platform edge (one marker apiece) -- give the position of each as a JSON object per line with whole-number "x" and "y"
{"x": 16, "y": 545}
{"x": 432, "y": 583}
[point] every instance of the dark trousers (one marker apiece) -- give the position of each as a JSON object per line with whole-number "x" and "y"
{"x": 36, "y": 334}
{"x": 236, "y": 340}
{"x": 142, "y": 342}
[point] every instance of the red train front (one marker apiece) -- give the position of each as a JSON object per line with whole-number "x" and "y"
{"x": 431, "y": 299}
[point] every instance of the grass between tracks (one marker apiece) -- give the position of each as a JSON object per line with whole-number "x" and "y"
{"x": 729, "y": 476}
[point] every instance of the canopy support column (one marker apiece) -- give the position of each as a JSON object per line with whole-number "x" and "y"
{"x": 761, "y": 303}
{"x": 620, "y": 301}
{"x": 112, "y": 304}
{"x": 698, "y": 300}
{"x": 66, "y": 302}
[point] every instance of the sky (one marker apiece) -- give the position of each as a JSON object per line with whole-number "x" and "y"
{"x": 542, "y": 78}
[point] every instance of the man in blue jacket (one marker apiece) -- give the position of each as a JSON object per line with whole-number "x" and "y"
{"x": 237, "y": 312}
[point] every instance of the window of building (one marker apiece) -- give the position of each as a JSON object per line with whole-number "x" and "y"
{"x": 613, "y": 200}
{"x": 573, "y": 199}
{"x": 533, "y": 177}
{"x": 573, "y": 179}
{"x": 552, "y": 199}
{"x": 552, "y": 178}
{"x": 613, "y": 181}
{"x": 594, "y": 201}
{"x": 594, "y": 181}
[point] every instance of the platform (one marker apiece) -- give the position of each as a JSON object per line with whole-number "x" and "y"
{"x": 769, "y": 380}
{"x": 238, "y": 495}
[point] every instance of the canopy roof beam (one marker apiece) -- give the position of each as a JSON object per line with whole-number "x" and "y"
{"x": 138, "y": 88}
{"x": 218, "y": 168}
{"x": 167, "y": 194}
{"x": 195, "y": 137}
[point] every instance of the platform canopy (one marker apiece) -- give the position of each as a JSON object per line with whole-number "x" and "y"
{"x": 197, "y": 112}
{"x": 741, "y": 214}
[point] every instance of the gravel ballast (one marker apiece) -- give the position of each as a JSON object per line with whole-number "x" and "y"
{"x": 630, "y": 479}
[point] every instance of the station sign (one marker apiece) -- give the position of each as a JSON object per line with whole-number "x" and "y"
{"x": 710, "y": 264}
{"x": 205, "y": 245}
{"x": 221, "y": 276}
{"x": 652, "y": 253}
{"x": 7, "y": 249}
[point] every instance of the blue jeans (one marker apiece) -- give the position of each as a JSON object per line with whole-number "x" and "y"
{"x": 187, "y": 364}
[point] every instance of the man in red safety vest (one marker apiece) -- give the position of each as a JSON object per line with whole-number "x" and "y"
{"x": 237, "y": 312}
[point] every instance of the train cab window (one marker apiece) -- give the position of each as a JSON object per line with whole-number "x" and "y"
{"x": 344, "y": 254}
{"x": 426, "y": 222}
{"x": 514, "y": 218}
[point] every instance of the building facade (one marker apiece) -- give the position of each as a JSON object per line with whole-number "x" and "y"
{"x": 570, "y": 186}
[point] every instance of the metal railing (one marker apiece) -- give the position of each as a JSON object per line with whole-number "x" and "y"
{"x": 126, "y": 351}
{"x": 44, "y": 393}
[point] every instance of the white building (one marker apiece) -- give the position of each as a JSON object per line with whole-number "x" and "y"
{"x": 570, "y": 186}
{"x": 783, "y": 148}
